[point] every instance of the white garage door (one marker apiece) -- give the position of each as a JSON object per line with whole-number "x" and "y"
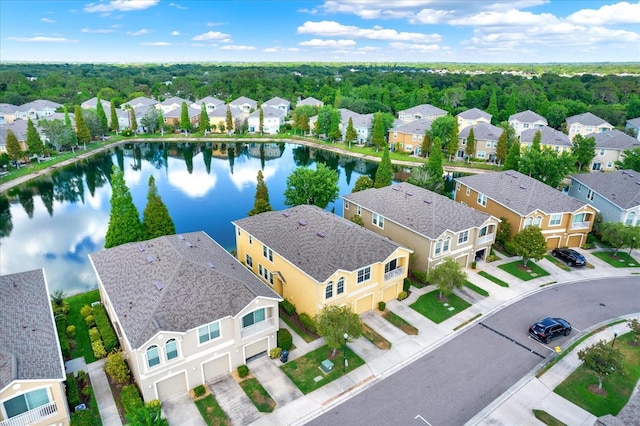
{"x": 256, "y": 348}
{"x": 171, "y": 386}
{"x": 215, "y": 368}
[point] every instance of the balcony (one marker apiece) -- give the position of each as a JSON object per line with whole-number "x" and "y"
{"x": 394, "y": 273}
{"x": 254, "y": 329}
{"x": 486, "y": 239}
{"x": 580, "y": 225}
{"x": 32, "y": 416}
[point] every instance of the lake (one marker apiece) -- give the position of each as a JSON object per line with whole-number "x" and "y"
{"x": 55, "y": 221}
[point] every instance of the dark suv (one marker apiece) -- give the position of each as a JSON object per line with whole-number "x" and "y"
{"x": 549, "y": 328}
{"x": 572, "y": 257}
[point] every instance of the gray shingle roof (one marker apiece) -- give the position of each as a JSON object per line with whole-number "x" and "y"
{"x": 194, "y": 292}
{"x": 621, "y": 187}
{"x": 614, "y": 139}
{"x": 243, "y": 100}
{"x": 587, "y": 119}
{"x": 29, "y": 348}
{"x": 8, "y": 108}
{"x": 550, "y": 136}
{"x": 405, "y": 204}
{"x": 482, "y": 132}
{"x": 359, "y": 120}
{"x": 177, "y": 112}
{"x": 634, "y": 121}
{"x": 276, "y": 102}
{"x": 310, "y": 101}
{"x": 39, "y": 105}
{"x": 418, "y": 127}
{"x": 474, "y": 114}
{"x": 140, "y": 101}
{"x": 424, "y": 109}
{"x": 520, "y": 193}
{"x": 344, "y": 245}
{"x": 268, "y": 111}
{"x": 527, "y": 116}
{"x": 173, "y": 100}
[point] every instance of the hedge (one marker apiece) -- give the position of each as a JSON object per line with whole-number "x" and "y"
{"x": 285, "y": 340}
{"x": 288, "y": 307}
{"x": 117, "y": 368}
{"x": 308, "y": 322}
{"x": 82, "y": 418}
{"x": 73, "y": 395}
{"x": 61, "y": 328}
{"x": 130, "y": 397}
{"x": 243, "y": 370}
{"x": 109, "y": 337}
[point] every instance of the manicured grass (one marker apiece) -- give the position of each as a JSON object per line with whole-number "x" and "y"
{"x": 493, "y": 279}
{"x": 399, "y": 322}
{"x": 257, "y": 394}
{"x": 82, "y": 347}
{"x": 431, "y": 307}
{"x": 518, "y": 270}
{"x": 557, "y": 262}
{"x": 211, "y": 412}
{"x": 300, "y": 331}
{"x": 480, "y": 291}
{"x": 303, "y": 370}
{"x": 371, "y": 335}
{"x": 621, "y": 260}
{"x": 547, "y": 418}
{"x": 575, "y": 388}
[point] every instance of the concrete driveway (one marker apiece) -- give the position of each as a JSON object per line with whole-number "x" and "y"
{"x": 181, "y": 411}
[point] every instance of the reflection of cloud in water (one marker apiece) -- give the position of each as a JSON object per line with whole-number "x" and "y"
{"x": 194, "y": 185}
{"x": 245, "y": 173}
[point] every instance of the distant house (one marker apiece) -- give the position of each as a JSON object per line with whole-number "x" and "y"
{"x": 272, "y": 120}
{"x": 185, "y": 311}
{"x": 526, "y": 120}
{"x": 432, "y": 225}
{"x": 311, "y": 102}
{"x": 420, "y": 112}
{"x": 472, "y": 116}
{"x": 616, "y": 195}
{"x": 281, "y": 104}
{"x": 524, "y": 201}
{"x": 93, "y": 104}
{"x": 139, "y": 102}
{"x": 36, "y": 109}
{"x": 32, "y": 374}
{"x": 361, "y": 124}
{"x": 19, "y": 129}
{"x": 123, "y": 116}
{"x": 587, "y": 123}
{"x": 550, "y": 137}
{"x": 634, "y": 125}
{"x": 609, "y": 149}
{"x": 210, "y": 103}
{"x": 486, "y": 137}
{"x": 409, "y": 136}
{"x": 244, "y": 104}
{"x": 173, "y": 116}
{"x": 171, "y": 104}
{"x": 7, "y": 113}
{"x": 218, "y": 118}
{"x": 314, "y": 258}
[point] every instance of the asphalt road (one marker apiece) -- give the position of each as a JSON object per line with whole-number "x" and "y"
{"x": 451, "y": 384}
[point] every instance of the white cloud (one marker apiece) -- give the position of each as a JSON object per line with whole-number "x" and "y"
{"x": 511, "y": 17}
{"x": 335, "y": 29}
{"x": 430, "y": 16}
{"x": 414, "y": 47}
{"x": 140, "y": 32}
{"x": 155, "y": 43}
{"x": 611, "y": 14}
{"x": 175, "y": 33}
{"x": 42, "y": 39}
{"x": 96, "y": 30}
{"x": 120, "y": 5}
{"x": 234, "y": 47}
{"x": 214, "y": 24}
{"x": 177, "y": 6}
{"x": 211, "y": 35}
{"x": 47, "y": 20}
{"x": 316, "y": 42}
{"x": 281, "y": 49}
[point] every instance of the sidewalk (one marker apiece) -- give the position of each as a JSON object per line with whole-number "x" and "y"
{"x": 514, "y": 407}
{"x": 102, "y": 391}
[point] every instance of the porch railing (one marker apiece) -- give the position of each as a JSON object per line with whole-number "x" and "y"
{"x": 256, "y": 328}
{"x": 394, "y": 273}
{"x": 31, "y": 416}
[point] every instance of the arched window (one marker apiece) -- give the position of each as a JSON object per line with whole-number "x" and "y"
{"x": 537, "y": 221}
{"x": 527, "y": 222}
{"x": 153, "y": 356}
{"x": 340, "y": 288}
{"x": 631, "y": 216}
{"x": 171, "y": 349}
{"x": 328, "y": 292}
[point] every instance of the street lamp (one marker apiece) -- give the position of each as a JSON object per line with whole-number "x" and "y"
{"x": 633, "y": 241}
{"x": 344, "y": 351}
{"x": 615, "y": 334}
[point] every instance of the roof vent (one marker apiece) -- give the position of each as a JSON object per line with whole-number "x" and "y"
{"x": 409, "y": 193}
{"x": 187, "y": 243}
{"x": 321, "y": 234}
{"x": 181, "y": 237}
{"x": 427, "y": 201}
{"x": 507, "y": 173}
{"x": 523, "y": 186}
{"x": 638, "y": 182}
{"x": 395, "y": 188}
{"x": 286, "y": 214}
{"x": 149, "y": 259}
{"x": 141, "y": 248}
{"x": 159, "y": 285}
{"x": 302, "y": 222}
{"x": 209, "y": 264}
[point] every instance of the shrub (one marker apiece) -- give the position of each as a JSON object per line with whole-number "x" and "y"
{"x": 285, "y": 340}
{"x": 130, "y": 397}
{"x": 243, "y": 370}
{"x": 61, "y": 309}
{"x": 491, "y": 258}
{"x": 473, "y": 265}
{"x": 86, "y": 391}
{"x": 82, "y": 418}
{"x": 288, "y": 307}
{"x": 382, "y": 306}
{"x": 406, "y": 284}
{"x": 94, "y": 334}
{"x": 117, "y": 368}
{"x": 98, "y": 349}
{"x": 89, "y": 320}
{"x": 420, "y": 276}
{"x": 61, "y": 328}
{"x": 198, "y": 391}
{"x": 402, "y": 295}
{"x": 73, "y": 395}
{"x": 109, "y": 337}
{"x": 275, "y": 353}
{"x": 85, "y": 311}
{"x": 509, "y": 248}
{"x": 308, "y": 322}
{"x": 71, "y": 331}
{"x": 82, "y": 377}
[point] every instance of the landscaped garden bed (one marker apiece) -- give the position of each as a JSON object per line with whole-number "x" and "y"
{"x": 374, "y": 337}
{"x": 256, "y": 393}
{"x": 399, "y": 322}
{"x": 493, "y": 279}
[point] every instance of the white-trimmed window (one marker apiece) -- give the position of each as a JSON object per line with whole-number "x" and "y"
{"x": 527, "y": 222}
{"x": 631, "y": 216}
{"x": 340, "y": 286}
{"x": 254, "y": 317}
{"x": 482, "y": 199}
{"x": 250, "y": 239}
{"x": 378, "y": 220}
{"x": 481, "y": 154}
{"x": 463, "y": 237}
{"x": 438, "y": 248}
{"x": 457, "y": 186}
{"x": 249, "y": 260}
{"x": 238, "y": 231}
{"x": 555, "y": 220}
{"x": 267, "y": 253}
{"x": 446, "y": 245}
{"x": 590, "y": 195}
{"x": 171, "y": 349}
{"x": 26, "y": 402}
{"x": 265, "y": 273}
{"x": 209, "y": 332}
{"x": 328, "y": 291}
{"x": 153, "y": 356}
{"x": 488, "y": 144}
{"x": 364, "y": 274}
{"x": 346, "y": 204}
{"x": 468, "y": 191}
{"x": 601, "y": 151}
{"x": 537, "y": 221}
{"x": 359, "y": 211}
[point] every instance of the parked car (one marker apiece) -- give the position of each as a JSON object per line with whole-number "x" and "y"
{"x": 570, "y": 256}
{"x": 549, "y": 328}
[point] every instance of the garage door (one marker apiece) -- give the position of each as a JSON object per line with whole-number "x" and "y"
{"x": 256, "y": 348}
{"x": 553, "y": 242}
{"x": 462, "y": 260}
{"x": 390, "y": 292}
{"x": 171, "y": 386}
{"x": 364, "y": 304}
{"x": 574, "y": 241}
{"x": 215, "y": 368}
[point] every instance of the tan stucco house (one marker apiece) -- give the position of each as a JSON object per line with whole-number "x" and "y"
{"x": 524, "y": 201}
{"x": 432, "y": 225}
{"x": 32, "y": 390}
{"x": 409, "y": 136}
{"x": 549, "y": 137}
{"x": 185, "y": 311}
{"x": 486, "y": 137}
{"x": 472, "y": 116}
{"x": 314, "y": 258}
{"x": 524, "y": 120}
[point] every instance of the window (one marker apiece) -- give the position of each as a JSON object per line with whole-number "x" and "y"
{"x": 525, "y": 125}
{"x": 250, "y": 239}
{"x": 482, "y": 199}
{"x": 267, "y": 253}
{"x": 253, "y": 318}
{"x": 481, "y": 154}
{"x": 328, "y": 291}
{"x": 537, "y": 221}
{"x": 378, "y": 220}
{"x": 464, "y": 141}
{"x": 468, "y": 191}
{"x": 238, "y": 232}
{"x": 27, "y": 401}
{"x": 340, "y": 287}
{"x": 346, "y": 205}
{"x": 463, "y": 237}
{"x": 447, "y": 243}
{"x": 579, "y": 217}
{"x": 609, "y": 165}
{"x": 264, "y": 273}
{"x": 153, "y": 356}
{"x": 364, "y": 274}
{"x": 249, "y": 260}
{"x": 590, "y": 195}
{"x": 171, "y": 349}
{"x": 601, "y": 151}
{"x": 488, "y": 144}
{"x": 527, "y": 222}
{"x": 391, "y": 266}
{"x": 457, "y": 186}
{"x": 358, "y": 211}
{"x": 209, "y": 332}
{"x": 484, "y": 231}
{"x": 555, "y": 219}
{"x": 438, "y": 247}
{"x": 631, "y": 216}
{"x": 596, "y": 166}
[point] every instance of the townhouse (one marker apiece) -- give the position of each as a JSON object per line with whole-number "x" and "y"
{"x": 472, "y": 116}
{"x": 272, "y": 120}
{"x": 244, "y": 104}
{"x": 36, "y": 109}
{"x": 486, "y": 137}
{"x": 550, "y": 137}
{"x": 281, "y": 104}
{"x": 585, "y": 124}
{"x": 210, "y": 104}
{"x": 609, "y": 148}
{"x": 633, "y": 127}
{"x": 409, "y": 136}
{"x": 420, "y": 112}
{"x": 525, "y": 120}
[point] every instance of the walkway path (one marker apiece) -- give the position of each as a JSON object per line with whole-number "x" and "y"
{"x": 104, "y": 397}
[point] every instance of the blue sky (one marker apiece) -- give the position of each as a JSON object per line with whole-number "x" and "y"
{"x": 124, "y": 31}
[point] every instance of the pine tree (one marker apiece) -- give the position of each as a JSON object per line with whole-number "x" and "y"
{"x": 229, "y": 123}
{"x": 384, "y": 174}
{"x": 452, "y": 140}
{"x": 501, "y": 149}
{"x": 351, "y": 134}
{"x": 133, "y": 120}
{"x": 470, "y": 150}
{"x": 13, "y": 147}
{"x": 304, "y": 123}
{"x": 34, "y": 143}
{"x": 203, "y": 124}
{"x": 510, "y": 107}
{"x": 493, "y": 106}
{"x": 161, "y": 122}
{"x": 434, "y": 165}
{"x": 337, "y": 99}
{"x": 70, "y": 130}
{"x": 513, "y": 157}
{"x": 82, "y": 130}
{"x": 185, "y": 123}
{"x": 115, "y": 126}
{"x": 261, "y": 203}
{"x": 426, "y": 144}
{"x": 377, "y": 134}
{"x": 261, "y": 121}
{"x": 535, "y": 143}
{"x": 124, "y": 220}
{"x": 334, "y": 130}
{"x": 102, "y": 118}
{"x": 156, "y": 220}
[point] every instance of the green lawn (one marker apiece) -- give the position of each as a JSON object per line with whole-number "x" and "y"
{"x": 480, "y": 291}
{"x": 431, "y": 307}
{"x": 83, "y": 344}
{"x": 399, "y": 322}
{"x": 575, "y": 388}
{"x": 302, "y": 371}
{"x": 621, "y": 260}
{"x": 257, "y": 394}
{"x": 211, "y": 412}
{"x": 374, "y": 337}
{"x": 547, "y": 418}
{"x": 557, "y": 262}
{"x": 493, "y": 279}
{"x": 518, "y": 270}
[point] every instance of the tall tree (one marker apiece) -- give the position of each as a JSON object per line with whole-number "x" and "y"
{"x": 501, "y": 149}
{"x": 306, "y": 186}
{"x": 34, "y": 143}
{"x": 350, "y": 135}
{"x": 229, "y": 120}
{"x": 530, "y": 244}
{"x": 133, "y": 120}
{"x": 535, "y": 143}
{"x": 150, "y": 120}
{"x": 470, "y": 149}
{"x": 102, "y": 118}
{"x": 425, "y": 149}
{"x": 73, "y": 137}
{"x": 603, "y": 359}
{"x": 616, "y": 234}
{"x": 261, "y": 121}
{"x": 203, "y": 123}
{"x": 261, "y": 201}
{"x": 493, "y": 107}
{"x": 583, "y": 150}
{"x": 377, "y": 134}
{"x": 630, "y": 160}
{"x": 304, "y": 123}
{"x": 115, "y": 125}
{"x": 156, "y": 220}
{"x": 124, "y": 220}
{"x": 421, "y": 176}
{"x": 546, "y": 165}
{"x": 82, "y": 130}
{"x": 13, "y": 147}
{"x": 334, "y": 129}
{"x": 384, "y": 174}
{"x": 337, "y": 98}
{"x": 447, "y": 276}
{"x": 161, "y": 124}
{"x": 185, "y": 122}
{"x": 632, "y": 110}
{"x": 513, "y": 157}
{"x": 434, "y": 165}
{"x": 336, "y": 320}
